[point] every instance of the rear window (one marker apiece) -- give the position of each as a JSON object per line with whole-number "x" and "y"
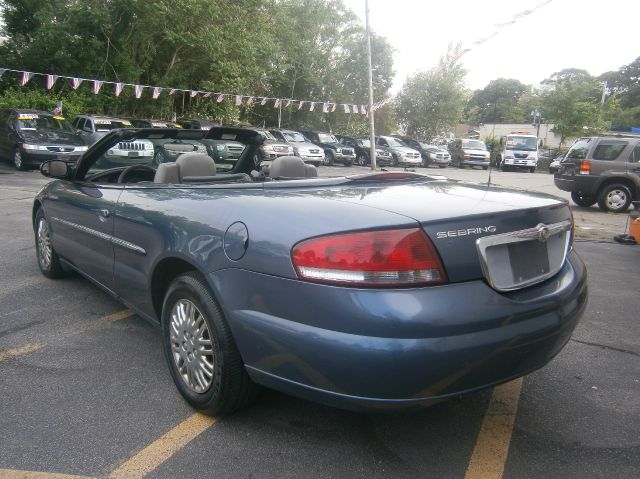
{"x": 579, "y": 149}
{"x": 609, "y": 150}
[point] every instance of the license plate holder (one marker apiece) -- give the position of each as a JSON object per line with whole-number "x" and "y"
{"x": 529, "y": 259}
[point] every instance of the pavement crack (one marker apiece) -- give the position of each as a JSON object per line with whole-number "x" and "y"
{"x": 604, "y": 346}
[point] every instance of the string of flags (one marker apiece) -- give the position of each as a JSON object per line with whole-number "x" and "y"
{"x": 239, "y": 100}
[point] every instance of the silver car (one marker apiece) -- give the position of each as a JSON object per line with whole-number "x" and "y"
{"x": 402, "y": 154}
{"x": 302, "y": 147}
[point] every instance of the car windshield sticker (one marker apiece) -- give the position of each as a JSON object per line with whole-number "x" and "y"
{"x": 28, "y": 116}
{"x": 159, "y": 125}
{"x": 103, "y": 122}
{"x": 204, "y": 128}
{"x": 58, "y": 117}
{"x": 228, "y": 136}
{"x": 126, "y": 123}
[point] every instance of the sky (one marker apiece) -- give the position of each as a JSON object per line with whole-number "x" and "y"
{"x": 596, "y": 36}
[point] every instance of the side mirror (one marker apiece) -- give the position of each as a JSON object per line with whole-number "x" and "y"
{"x": 55, "y": 169}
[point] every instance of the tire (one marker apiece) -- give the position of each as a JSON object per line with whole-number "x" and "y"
{"x": 504, "y": 167}
{"x": 614, "y": 197}
{"x": 362, "y": 160}
{"x": 222, "y": 385}
{"x": 18, "y": 162}
{"x": 532, "y": 169}
{"x": 329, "y": 160}
{"x": 442, "y": 166}
{"x": 48, "y": 260}
{"x": 582, "y": 200}
{"x": 348, "y": 163}
{"x": 157, "y": 159}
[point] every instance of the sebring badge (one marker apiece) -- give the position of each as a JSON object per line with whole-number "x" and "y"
{"x": 465, "y": 232}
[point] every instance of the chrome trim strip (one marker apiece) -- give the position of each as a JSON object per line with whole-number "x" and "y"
{"x": 98, "y": 234}
{"x": 541, "y": 232}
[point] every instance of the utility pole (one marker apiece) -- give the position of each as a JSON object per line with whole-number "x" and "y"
{"x": 279, "y": 113}
{"x": 372, "y": 135}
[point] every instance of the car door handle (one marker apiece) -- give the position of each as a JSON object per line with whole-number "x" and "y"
{"x": 104, "y": 213}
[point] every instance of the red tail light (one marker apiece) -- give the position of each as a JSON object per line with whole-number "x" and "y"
{"x": 403, "y": 257}
{"x": 585, "y": 167}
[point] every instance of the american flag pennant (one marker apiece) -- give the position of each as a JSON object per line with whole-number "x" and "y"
{"x": 288, "y": 104}
{"x": 26, "y": 76}
{"x": 354, "y": 108}
{"x": 207, "y": 95}
{"x": 333, "y": 107}
{"x": 156, "y": 92}
{"x": 263, "y": 101}
{"x": 139, "y": 89}
{"x": 220, "y": 97}
{"x": 49, "y": 81}
{"x": 313, "y": 105}
{"x": 97, "y": 84}
{"x": 238, "y": 100}
{"x": 75, "y": 83}
{"x": 363, "y": 109}
{"x": 172, "y": 91}
{"x": 346, "y": 108}
{"x": 118, "y": 88}
{"x": 193, "y": 93}
{"x": 325, "y": 108}
{"x": 58, "y": 109}
{"x": 250, "y": 101}
{"x": 276, "y": 104}
{"x": 300, "y": 105}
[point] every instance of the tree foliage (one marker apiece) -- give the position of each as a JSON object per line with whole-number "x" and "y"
{"x": 431, "y": 103}
{"x": 498, "y": 102}
{"x": 303, "y": 49}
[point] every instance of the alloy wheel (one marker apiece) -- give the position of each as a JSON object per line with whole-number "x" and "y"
{"x": 17, "y": 160}
{"x": 45, "y": 252}
{"x": 191, "y": 346}
{"x": 616, "y": 199}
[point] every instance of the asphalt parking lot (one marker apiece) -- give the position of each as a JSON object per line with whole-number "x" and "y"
{"x": 86, "y": 392}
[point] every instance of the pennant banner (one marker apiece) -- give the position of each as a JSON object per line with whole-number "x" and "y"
{"x": 118, "y": 88}
{"x": 313, "y": 105}
{"x": 250, "y": 101}
{"x": 276, "y": 104}
{"x": 238, "y": 100}
{"x": 193, "y": 93}
{"x": 97, "y": 84}
{"x": 26, "y": 76}
{"x": 75, "y": 83}
{"x": 139, "y": 89}
{"x": 325, "y": 108}
{"x": 172, "y": 91}
{"x": 50, "y": 80}
{"x": 2, "y": 70}
{"x": 288, "y": 104}
{"x": 300, "y": 105}
{"x": 346, "y": 108}
{"x": 263, "y": 101}
{"x": 156, "y": 92}
{"x": 333, "y": 107}
{"x": 220, "y": 97}
{"x": 207, "y": 95}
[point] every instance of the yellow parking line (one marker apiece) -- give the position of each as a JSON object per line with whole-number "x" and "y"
{"x": 492, "y": 444}
{"x": 152, "y": 456}
{"x": 117, "y": 316}
{"x": 27, "y": 348}
{"x": 16, "y": 474}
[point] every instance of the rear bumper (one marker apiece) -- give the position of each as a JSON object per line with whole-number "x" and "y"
{"x": 390, "y": 349}
{"x": 585, "y": 184}
{"x": 476, "y": 162}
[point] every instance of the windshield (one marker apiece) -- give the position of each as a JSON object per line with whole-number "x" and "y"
{"x": 427, "y": 146}
{"x": 294, "y": 137}
{"x": 365, "y": 143}
{"x": 525, "y": 143}
{"x": 108, "y": 125}
{"x": 474, "y": 145}
{"x": 268, "y": 135}
{"x": 35, "y": 122}
{"x": 394, "y": 142}
{"x": 327, "y": 138}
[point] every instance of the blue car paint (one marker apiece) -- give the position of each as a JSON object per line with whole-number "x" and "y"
{"x": 349, "y": 347}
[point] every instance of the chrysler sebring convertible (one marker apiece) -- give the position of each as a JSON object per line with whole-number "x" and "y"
{"x": 373, "y": 292}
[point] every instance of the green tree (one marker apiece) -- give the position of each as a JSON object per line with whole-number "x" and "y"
{"x": 431, "y": 103}
{"x": 498, "y": 102}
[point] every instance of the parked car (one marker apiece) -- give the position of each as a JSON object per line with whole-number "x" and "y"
{"x": 93, "y": 127}
{"x": 603, "y": 169}
{"x": 334, "y": 151}
{"x": 302, "y": 147}
{"x": 30, "y": 137}
{"x": 376, "y": 292}
{"x": 271, "y": 147}
{"x": 362, "y": 147}
{"x": 554, "y": 166}
{"x": 402, "y": 155}
{"x": 467, "y": 152}
{"x": 431, "y": 154}
{"x": 197, "y": 124}
{"x": 140, "y": 123}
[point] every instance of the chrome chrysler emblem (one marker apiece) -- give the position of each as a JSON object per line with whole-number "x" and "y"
{"x": 543, "y": 233}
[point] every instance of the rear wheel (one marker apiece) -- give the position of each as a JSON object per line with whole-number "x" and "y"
{"x": 504, "y": 167}
{"x": 203, "y": 358}
{"x": 18, "y": 161}
{"x": 581, "y": 199}
{"x": 48, "y": 260}
{"x": 614, "y": 197}
{"x": 361, "y": 159}
{"x": 532, "y": 169}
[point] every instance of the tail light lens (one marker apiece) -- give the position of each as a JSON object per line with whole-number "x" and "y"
{"x": 389, "y": 258}
{"x": 585, "y": 167}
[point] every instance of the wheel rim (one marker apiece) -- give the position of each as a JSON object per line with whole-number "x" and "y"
{"x": 191, "y": 346}
{"x": 44, "y": 245}
{"x": 616, "y": 199}
{"x": 17, "y": 159}
{"x": 361, "y": 161}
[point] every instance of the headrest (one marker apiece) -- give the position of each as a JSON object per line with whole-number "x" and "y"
{"x": 196, "y": 164}
{"x": 288, "y": 167}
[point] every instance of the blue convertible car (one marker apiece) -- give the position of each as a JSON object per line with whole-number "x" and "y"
{"x": 373, "y": 292}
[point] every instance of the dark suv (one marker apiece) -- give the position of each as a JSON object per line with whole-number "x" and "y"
{"x": 605, "y": 170}
{"x": 334, "y": 151}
